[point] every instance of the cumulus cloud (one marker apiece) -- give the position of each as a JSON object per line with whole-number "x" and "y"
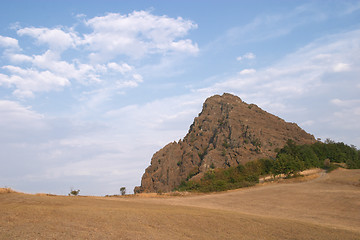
{"x": 49, "y": 72}
{"x": 81, "y": 72}
{"x": 8, "y": 42}
{"x": 29, "y": 81}
{"x": 184, "y": 46}
{"x": 57, "y": 39}
{"x": 247, "y": 71}
{"x": 19, "y": 58}
{"x": 122, "y": 68}
{"x": 249, "y": 56}
{"x": 102, "y": 58}
{"x": 137, "y": 34}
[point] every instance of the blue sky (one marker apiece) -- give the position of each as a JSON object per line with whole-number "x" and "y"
{"x": 89, "y": 90}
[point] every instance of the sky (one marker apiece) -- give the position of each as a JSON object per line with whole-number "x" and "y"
{"x": 90, "y": 90}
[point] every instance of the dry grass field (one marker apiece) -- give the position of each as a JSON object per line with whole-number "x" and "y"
{"x": 327, "y": 207}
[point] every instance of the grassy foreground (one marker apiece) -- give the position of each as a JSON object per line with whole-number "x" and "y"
{"x": 324, "y": 208}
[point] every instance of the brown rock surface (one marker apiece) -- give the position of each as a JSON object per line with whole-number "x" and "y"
{"x": 226, "y": 133}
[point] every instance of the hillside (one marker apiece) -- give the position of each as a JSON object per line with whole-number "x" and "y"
{"x": 323, "y": 208}
{"x": 227, "y": 132}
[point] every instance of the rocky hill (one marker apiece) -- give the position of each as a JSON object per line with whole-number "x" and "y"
{"x": 226, "y": 133}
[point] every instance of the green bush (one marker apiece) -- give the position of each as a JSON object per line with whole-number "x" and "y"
{"x": 223, "y": 179}
{"x": 123, "y": 191}
{"x": 74, "y": 192}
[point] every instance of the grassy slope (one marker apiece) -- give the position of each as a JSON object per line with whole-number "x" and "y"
{"x": 326, "y": 208}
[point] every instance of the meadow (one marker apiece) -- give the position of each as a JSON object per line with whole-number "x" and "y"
{"x": 325, "y": 206}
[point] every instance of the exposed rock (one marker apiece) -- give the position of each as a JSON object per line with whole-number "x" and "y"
{"x": 226, "y": 133}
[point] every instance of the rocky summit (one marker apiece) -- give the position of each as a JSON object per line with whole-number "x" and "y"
{"x": 227, "y": 132}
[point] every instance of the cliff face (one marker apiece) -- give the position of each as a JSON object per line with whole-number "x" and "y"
{"x": 226, "y": 133}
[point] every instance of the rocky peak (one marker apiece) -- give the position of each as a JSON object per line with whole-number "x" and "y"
{"x": 226, "y": 133}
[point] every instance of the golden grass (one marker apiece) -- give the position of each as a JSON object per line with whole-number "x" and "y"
{"x": 6, "y": 190}
{"x": 324, "y": 208}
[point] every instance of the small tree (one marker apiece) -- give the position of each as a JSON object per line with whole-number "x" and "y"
{"x": 74, "y": 192}
{"x": 327, "y": 163}
{"x": 123, "y": 190}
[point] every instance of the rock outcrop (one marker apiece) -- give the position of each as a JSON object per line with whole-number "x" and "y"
{"x": 226, "y": 133}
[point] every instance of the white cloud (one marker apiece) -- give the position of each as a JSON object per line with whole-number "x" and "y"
{"x": 184, "y": 46}
{"x": 136, "y": 35}
{"x": 249, "y": 56}
{"x": 8, "y": 42}
{"x": 137, "y": 77}
{"x": 16, "y": 120}
{"x": 99, "y": 59}
{"x": 19, "y": 58}
{"x": 341, "y": 67}
{"x": 50, "y": 66}
{"x": 346, "y": 103}
{"x": 123, "y": 68}
{"x": 83, "y": 73}
{"x": 57, "y": 39}
{"x": 28, "y": 81}
{"x": 247, "y": 71}
{"x": 127, "y": 84}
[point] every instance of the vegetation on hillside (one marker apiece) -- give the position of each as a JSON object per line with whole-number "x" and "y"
{"x": 289, "y": 161}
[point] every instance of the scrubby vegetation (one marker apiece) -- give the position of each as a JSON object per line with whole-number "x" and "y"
{"x": 230, "y": 178}
{"x": 290, "y": 160}
{"x": 324, "y": 155}
{"x": 74, "y": 192}
{"x": 123, "y": 191}
{"x": 6, "y": 190}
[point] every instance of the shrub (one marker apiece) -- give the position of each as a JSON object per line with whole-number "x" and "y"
{"x": 331, "y": 167}
{"x": 223, "y": 179}
{"x": 123, "y": 191}
{"x": 327, "y": 163}
{"x": 74, "y": 192}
